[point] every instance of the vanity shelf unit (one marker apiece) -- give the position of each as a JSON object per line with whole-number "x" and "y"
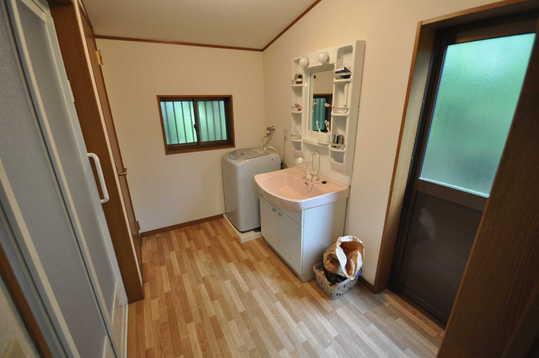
{"x": 298, "y": 98}
{"x": 345, "y": 101}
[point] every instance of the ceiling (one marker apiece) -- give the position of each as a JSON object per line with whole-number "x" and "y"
{"x": 241, "y": 23}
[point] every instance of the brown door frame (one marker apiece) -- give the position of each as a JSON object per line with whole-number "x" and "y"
{"x": 415, "y": 101}
{"x": 87, "y": 105}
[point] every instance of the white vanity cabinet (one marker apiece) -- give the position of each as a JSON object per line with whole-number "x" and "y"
{"x": 300, "y": 237}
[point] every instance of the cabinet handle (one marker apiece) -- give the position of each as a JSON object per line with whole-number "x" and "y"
{"x": 100, "y": 177}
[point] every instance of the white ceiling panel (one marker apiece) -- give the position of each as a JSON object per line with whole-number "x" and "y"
{"x": 243, "y": 23}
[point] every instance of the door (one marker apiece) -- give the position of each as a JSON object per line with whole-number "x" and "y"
{"x": 51, "y": 186}
{"x": 96, "y": 62}
{"x": 474, "y": 88}
{"x": 496, "y": 312}
{"x": 97, "y": 130}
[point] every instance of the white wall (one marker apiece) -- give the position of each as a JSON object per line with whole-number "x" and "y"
{"x": 388, "y": 26}
{"x": 176, "y": 188}
{"x": 172, "y": 189}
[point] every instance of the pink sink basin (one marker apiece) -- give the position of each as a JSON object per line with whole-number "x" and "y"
{"x": 289, "y": 189}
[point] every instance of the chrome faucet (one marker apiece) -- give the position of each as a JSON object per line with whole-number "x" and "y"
{"x": 312, "y": 172}
{"x": 315, "y": 172}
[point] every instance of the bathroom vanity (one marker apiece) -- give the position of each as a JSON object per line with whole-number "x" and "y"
{"x": 300, "y": 218}
{"x": 303, "y": 210}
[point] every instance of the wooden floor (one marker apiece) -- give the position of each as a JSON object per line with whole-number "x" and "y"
{"x": 208, "y": 295}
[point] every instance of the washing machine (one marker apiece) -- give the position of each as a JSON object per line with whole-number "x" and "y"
{"x": 241, "y": 199}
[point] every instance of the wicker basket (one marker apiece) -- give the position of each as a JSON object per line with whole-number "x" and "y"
{"x": 333, "y": 290}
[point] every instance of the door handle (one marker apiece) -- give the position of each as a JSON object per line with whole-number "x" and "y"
{"x": 100, "y": 177}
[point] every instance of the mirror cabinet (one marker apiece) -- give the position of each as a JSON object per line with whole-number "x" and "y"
{"x": 325, "y": 88}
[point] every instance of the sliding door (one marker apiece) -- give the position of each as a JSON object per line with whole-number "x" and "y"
{"x": 81, "y": 62}
{"x": 50, "y": 191}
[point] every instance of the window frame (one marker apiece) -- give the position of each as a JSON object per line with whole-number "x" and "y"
{"x": 199, "y": 146}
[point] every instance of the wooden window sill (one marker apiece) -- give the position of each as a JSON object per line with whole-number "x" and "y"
{"x": 199, "y": 148}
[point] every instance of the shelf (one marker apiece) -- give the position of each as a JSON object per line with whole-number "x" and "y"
{"x": 295, "y": 139}
{"x": 315, "y": 142}
{"x": 337, "y": 150}
{"x": 342, "y": 80}
{"x": 297, "y": 85}
{"x": 336, "y": 162}
{"x": 333, "y": 114}
{"x": 296, "y": 112}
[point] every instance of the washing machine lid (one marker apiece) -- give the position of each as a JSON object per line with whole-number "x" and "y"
{"x": 247, "y": 153}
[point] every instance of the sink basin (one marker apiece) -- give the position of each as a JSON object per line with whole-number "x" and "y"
{"x": 288, "y": 189}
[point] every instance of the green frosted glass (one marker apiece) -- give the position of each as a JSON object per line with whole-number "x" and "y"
{"x": 477, "y": 96}
{"x": 179, "y": 121}
{"x": 212, "y": 122}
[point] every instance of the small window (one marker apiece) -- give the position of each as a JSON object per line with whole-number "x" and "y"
{"x": 192, "y": 123}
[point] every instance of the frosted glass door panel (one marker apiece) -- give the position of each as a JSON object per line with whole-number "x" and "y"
{"x": 477, "y": 96}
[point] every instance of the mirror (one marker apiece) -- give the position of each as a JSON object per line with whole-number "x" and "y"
{"x": 321, "y": 100}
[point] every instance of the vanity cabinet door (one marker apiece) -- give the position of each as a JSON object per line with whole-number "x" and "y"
{"x": 289, "y": 241}
{"x": 282, "y": 234}
{"x": 268, "y": 223}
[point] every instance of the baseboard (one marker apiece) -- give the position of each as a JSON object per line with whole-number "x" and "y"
{"x": 243, "y": 236}
{"x": 179, "y": 226}
{"x": 368, "y": 285}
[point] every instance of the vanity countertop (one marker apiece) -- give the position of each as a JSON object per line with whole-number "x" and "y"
{"x": 289, "y": 189}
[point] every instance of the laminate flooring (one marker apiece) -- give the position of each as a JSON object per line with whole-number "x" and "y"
{"x": 207, "y": 295}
